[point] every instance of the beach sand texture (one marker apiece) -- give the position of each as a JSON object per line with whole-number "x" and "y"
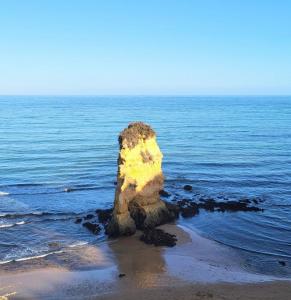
{"x": 196, "y": 268}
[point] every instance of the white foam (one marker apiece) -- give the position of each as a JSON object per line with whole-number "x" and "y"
{"x": 11, "y": 225}
{"x": 41, "y": 255}
{"x": 30, "y": 257}
{"x": 3, "y": 193}
{"x": 78, "y": 244}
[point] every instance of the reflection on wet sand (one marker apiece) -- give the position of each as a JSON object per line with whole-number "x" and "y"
{"x": 146, "y": 268}
{"x": 142, "y": 264}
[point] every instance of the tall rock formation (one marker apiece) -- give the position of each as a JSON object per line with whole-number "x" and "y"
{"x": 137, "y": 202}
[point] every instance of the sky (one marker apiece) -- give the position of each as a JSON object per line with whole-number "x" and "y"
{"x": 145, "y": 47}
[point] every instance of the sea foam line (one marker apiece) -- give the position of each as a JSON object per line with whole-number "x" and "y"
{"x": 43, "y": 255}
{"x": 11, "y": 225}
{"x": 3, "y": 193}
{"x": 30, "y": 257}
{"x": 78, "y": 244}
{"x": 37, "y": 213}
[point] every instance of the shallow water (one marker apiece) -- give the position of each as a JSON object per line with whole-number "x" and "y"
{"x": 228, "y": 147}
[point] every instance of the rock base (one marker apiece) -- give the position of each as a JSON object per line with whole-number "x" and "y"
{"x": 120, "y": 224}
{"x": 139, "y": 217}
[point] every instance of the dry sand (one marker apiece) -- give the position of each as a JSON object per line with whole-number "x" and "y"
{"x": 196, "y": 268}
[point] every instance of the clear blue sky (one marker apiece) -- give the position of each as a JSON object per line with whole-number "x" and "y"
{"x": 145, "y": 47}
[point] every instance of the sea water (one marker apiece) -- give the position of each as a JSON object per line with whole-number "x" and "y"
{"x": 226, "y": 147}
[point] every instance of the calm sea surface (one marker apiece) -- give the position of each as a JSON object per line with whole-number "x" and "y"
{"x": 230, "y": 147}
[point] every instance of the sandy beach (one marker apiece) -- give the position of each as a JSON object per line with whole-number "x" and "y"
{"x": 196, "y": 268}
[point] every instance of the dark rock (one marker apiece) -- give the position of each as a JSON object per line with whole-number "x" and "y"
{"x": 190, "y": 211}
{"x": 138, "y": 214}
{"x": 112, "y": 229}
{"x": 158, "y": 237}
{"x": 78, "y": 220}
{"x": 54, "y": 244}
{"x": 282, "y": 263}
{"x": 88, "y": 217}
{"x": 208, "y": 204}
{"x": 95, "y": 228}
{"x": 121, "y": 275}
{"x": 245, "y": 201}
{"x": 183, "y": 202}
{"x": 187, "y": 187}
{"x": 173, "y": 209}
{"x": 230, "y": 206}
{"x": 67, "y": 190}
{"x": 115, "y": 182}
{"x": 143, "y": 220}
{"x": 162, "y": 216}
{"x": 164, "y": 193}
{"x": 104, "y": 215}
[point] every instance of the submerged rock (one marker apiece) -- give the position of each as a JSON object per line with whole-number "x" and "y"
{"x": 158, "y": 237}
{"x": 245, "y": 200}
{"x": 94, "y": 228}
{"x": 189, "y": 211}
{"x": 88, "y": 217}
{"x": 230, "y": 206}
{"x": 78, "y": 220}
{"x": 174, "y": 209}
{"x": 139, "y": 180}
{"x": 188, "y": 208}
{"x": 187, "y": 187}
{"x": 54, "y": 244}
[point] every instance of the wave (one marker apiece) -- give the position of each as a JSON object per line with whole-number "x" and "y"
{"x": 3, "y": 193}
{"x": 12, "y": 216}
{"x": 56, "y": 191}
{"x": 259, "y": 252}
{"x": 25, "y": 185}
{"x": 65, "y": 218}
{"x": 83, "y": 189}
{"x": 12, "y": 225}
{"x": 78, "y": 244}
{"x": 37, "y": 214}
{"x": 30, "y": 257}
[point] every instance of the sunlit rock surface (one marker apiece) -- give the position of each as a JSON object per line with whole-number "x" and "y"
{"x": 137, "y": 202}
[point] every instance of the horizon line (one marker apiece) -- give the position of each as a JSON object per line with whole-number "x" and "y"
{"x": 146, "y": 95}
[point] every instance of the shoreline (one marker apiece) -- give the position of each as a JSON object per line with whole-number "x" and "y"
{"x": 194, "y": 265}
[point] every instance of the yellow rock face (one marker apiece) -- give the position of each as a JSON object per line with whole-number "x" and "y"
{"x": 140, "y": 164}
{"x": 139, "y": 179}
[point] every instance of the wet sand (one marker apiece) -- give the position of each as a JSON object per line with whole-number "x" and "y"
{"x": 196, "y": 268}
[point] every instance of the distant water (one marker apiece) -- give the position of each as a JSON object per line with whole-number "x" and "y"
{"x": 228, "y": 147}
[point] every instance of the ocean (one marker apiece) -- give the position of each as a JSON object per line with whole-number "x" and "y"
{"x": 225, "y": 147}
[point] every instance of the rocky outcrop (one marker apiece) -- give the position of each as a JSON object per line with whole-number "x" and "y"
{"x": 158, "y": 237}
{"x": 140, "y": 178}
{"x": 93, "y": 227}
